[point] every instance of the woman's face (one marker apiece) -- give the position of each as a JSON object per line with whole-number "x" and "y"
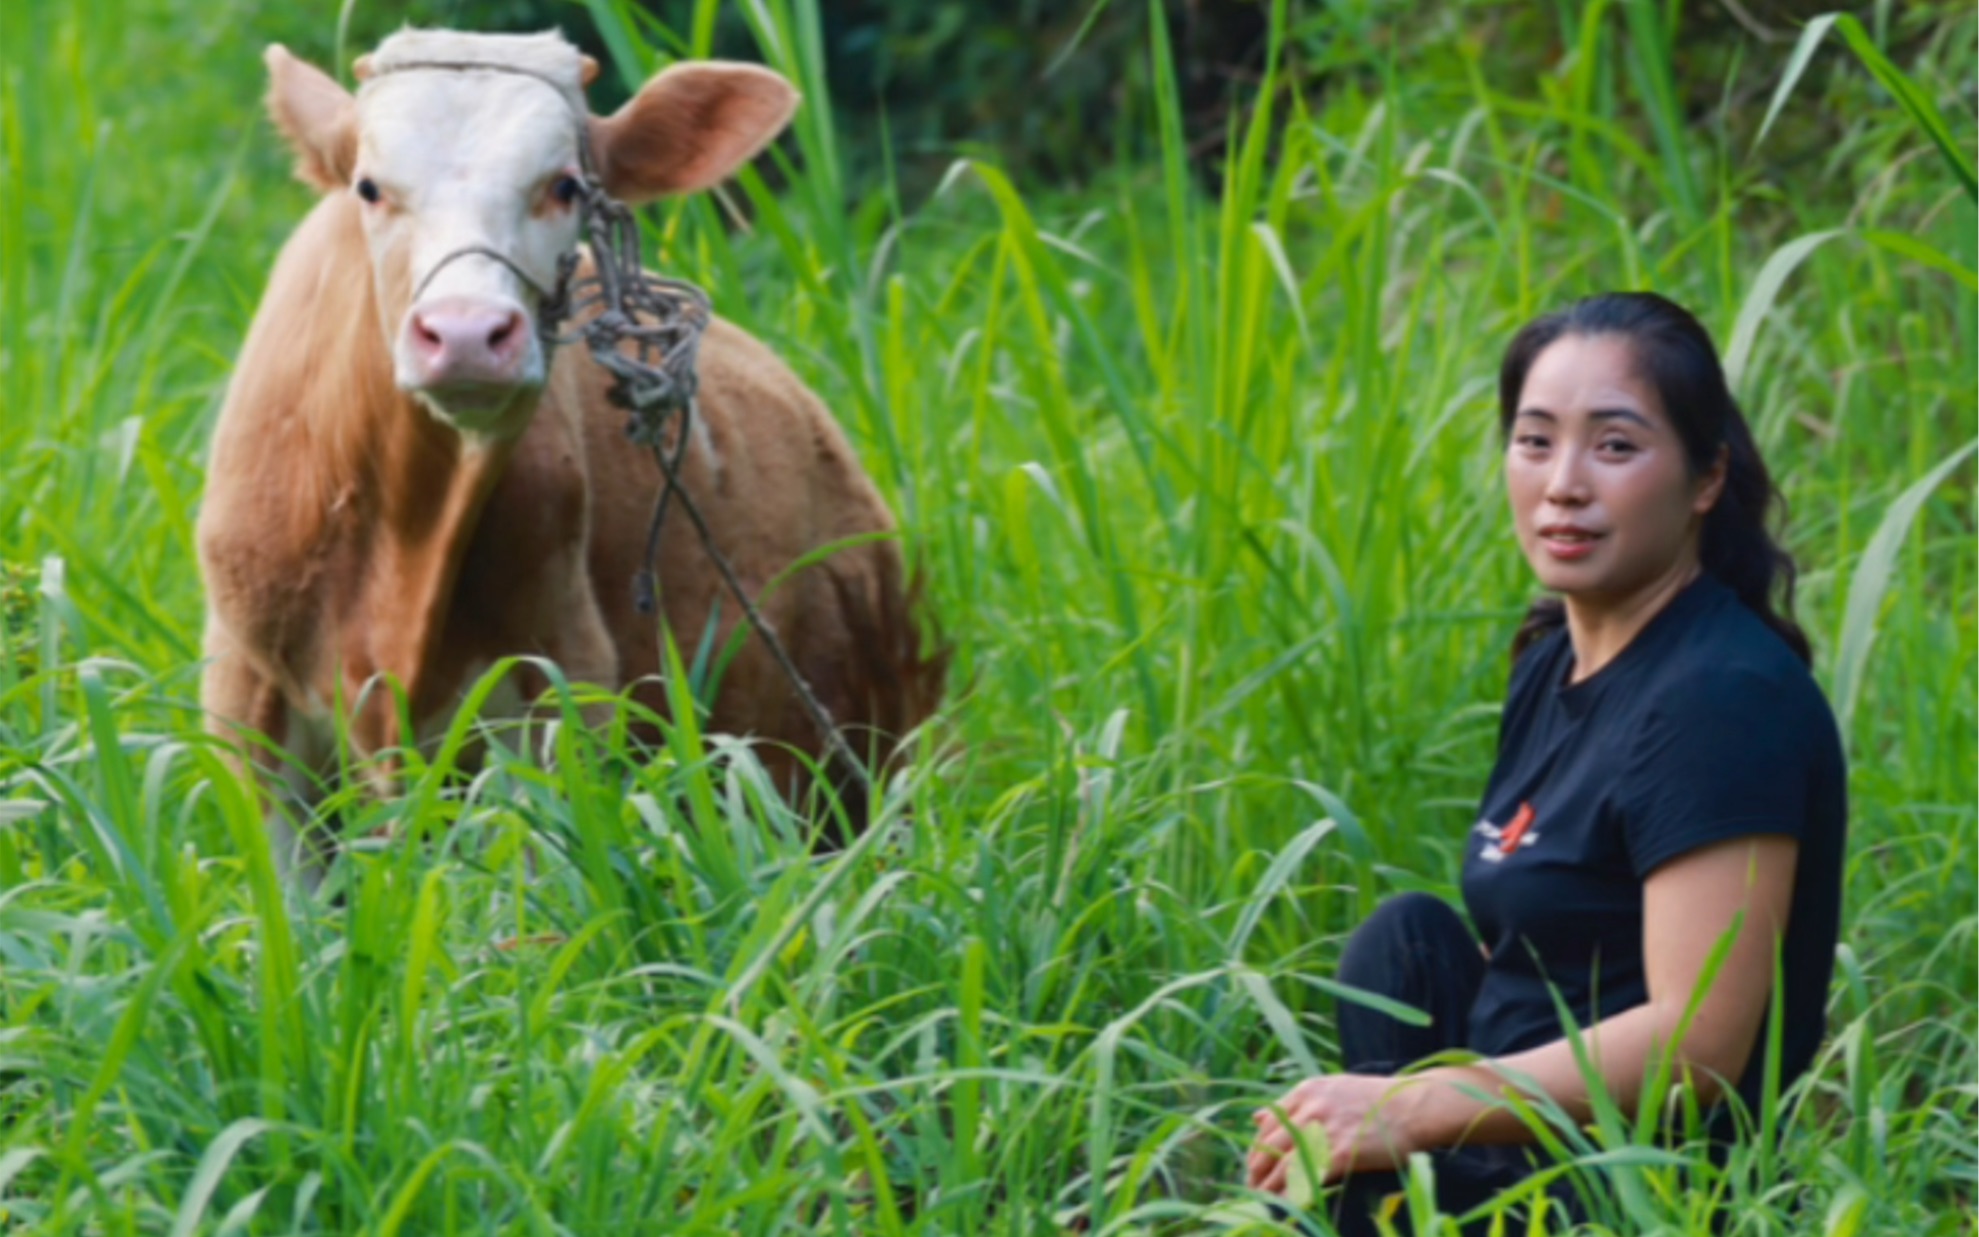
{"x": 1602, "y": 498}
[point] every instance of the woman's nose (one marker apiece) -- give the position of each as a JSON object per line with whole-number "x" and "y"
{"x": 1566, "y": 483}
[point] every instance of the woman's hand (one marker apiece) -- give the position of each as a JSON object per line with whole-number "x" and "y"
{"x": 1361, "y": 1121}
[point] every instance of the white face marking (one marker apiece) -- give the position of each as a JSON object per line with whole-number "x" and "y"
{"x": 459, "y": 160}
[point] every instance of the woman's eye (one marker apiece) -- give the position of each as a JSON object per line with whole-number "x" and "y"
{"x": 1531, "y": 442}
{"x": 566, "y": 189}
{"x": 368, "y": 190}
{"x": 1618, "y": 446}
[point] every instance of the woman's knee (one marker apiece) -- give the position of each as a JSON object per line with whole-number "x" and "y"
{"x": 1407, "y": 925}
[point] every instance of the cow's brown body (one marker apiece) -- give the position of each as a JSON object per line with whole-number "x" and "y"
{"x": 350, "y": 539}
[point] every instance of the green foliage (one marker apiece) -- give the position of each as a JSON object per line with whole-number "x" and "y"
{"x": 19, "y": 633}
{"x": 1047, "y": 90}
{"x": 1204, "y": 484}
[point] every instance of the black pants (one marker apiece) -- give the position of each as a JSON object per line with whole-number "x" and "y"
{"x": 1417, "y": 950}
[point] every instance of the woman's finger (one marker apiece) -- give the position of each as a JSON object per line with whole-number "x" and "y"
{"x": 1264, "y": 1166}
{"x": 1260, "y": 1171}
{"x": 1276, "y": 1137}
{"x": 1274, "y": 1181}
{"x": 1255, "y": 1165}
{"x": 1290, "y": 1166}
{"x": 1309, "y": 1152}
{"x": 1265, "y": 1154}
{"x": 1272, "y": 1147}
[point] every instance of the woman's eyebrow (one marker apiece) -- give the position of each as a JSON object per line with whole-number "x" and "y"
{"x": 1598, "y": 414}
{"x": 1620, "y": 414}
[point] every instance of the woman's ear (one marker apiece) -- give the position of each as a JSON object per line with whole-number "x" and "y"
{"x": 317, "y": 116}
{"x": 1711, "y": 485}
{"x": 689, "y": 128}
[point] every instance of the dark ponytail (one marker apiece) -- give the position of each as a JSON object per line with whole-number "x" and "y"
{"x": 1674, "y": 354}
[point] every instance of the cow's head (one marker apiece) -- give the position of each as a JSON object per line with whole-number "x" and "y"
{"x": 457, "y": 147}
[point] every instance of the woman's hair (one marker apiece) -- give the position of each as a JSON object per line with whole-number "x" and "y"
{"x": 1673, "y": 353}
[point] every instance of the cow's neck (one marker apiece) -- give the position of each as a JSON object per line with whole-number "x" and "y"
{"x": 430, "y": 485}
{"x": 379, "y": 519}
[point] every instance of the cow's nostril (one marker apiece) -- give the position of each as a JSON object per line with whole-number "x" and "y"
{"x": 503, "y": 333}
{"x": 425, "y": 334}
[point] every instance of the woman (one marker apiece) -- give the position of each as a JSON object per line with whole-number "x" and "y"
{"x": 1668, "y": 776}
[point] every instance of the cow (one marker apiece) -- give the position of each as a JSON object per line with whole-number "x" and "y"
{"x": 409, "y": 481}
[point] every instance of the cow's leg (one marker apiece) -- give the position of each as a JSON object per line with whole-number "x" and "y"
{"x": 583, "y": 646}
{"x": 269, "y": 747}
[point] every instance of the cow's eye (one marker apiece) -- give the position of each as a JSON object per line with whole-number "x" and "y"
{"x": 566, "y": 189}
{"x": 368, "y": 189}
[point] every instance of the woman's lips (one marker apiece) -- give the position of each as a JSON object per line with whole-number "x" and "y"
{"x": 1567, "y": 542}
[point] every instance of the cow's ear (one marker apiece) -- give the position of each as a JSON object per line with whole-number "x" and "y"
{"x": 689, "y": 127}
{"x": 317, "y": 116}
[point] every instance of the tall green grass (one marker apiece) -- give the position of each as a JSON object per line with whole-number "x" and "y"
{"x": 1204, "y": 485}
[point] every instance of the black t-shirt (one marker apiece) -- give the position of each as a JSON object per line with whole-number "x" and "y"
{"x": 1706, "y": 727}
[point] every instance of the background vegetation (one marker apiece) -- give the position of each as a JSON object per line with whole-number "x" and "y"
{"x": 1183, "y": 396}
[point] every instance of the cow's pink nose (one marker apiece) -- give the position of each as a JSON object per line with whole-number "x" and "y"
{"x": 456, "y": 342}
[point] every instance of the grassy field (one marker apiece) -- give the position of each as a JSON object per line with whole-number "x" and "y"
{"x": 1205, "y": 487}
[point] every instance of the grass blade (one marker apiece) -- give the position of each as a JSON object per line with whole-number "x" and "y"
{"x": 212, "y": 1166}
{"x": 1759, "y": 301}
{"x": 1871, "y": 582}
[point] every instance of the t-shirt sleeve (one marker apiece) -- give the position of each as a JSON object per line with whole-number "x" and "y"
{"x": 1724, "y": 756}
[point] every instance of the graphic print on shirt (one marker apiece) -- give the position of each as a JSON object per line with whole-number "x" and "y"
{"x": 1518, "y": 832}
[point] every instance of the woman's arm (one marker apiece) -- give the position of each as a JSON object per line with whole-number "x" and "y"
{"x": 1688, "y": 905}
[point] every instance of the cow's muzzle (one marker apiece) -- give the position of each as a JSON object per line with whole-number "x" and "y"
{"x": 457, "y": 342}
{"x": 477, "y": 359}
{"x": 476, "y": 362}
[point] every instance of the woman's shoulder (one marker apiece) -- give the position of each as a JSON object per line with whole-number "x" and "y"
{"x": 1727, "y": 663}
{"x": 1729, "y": 736}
